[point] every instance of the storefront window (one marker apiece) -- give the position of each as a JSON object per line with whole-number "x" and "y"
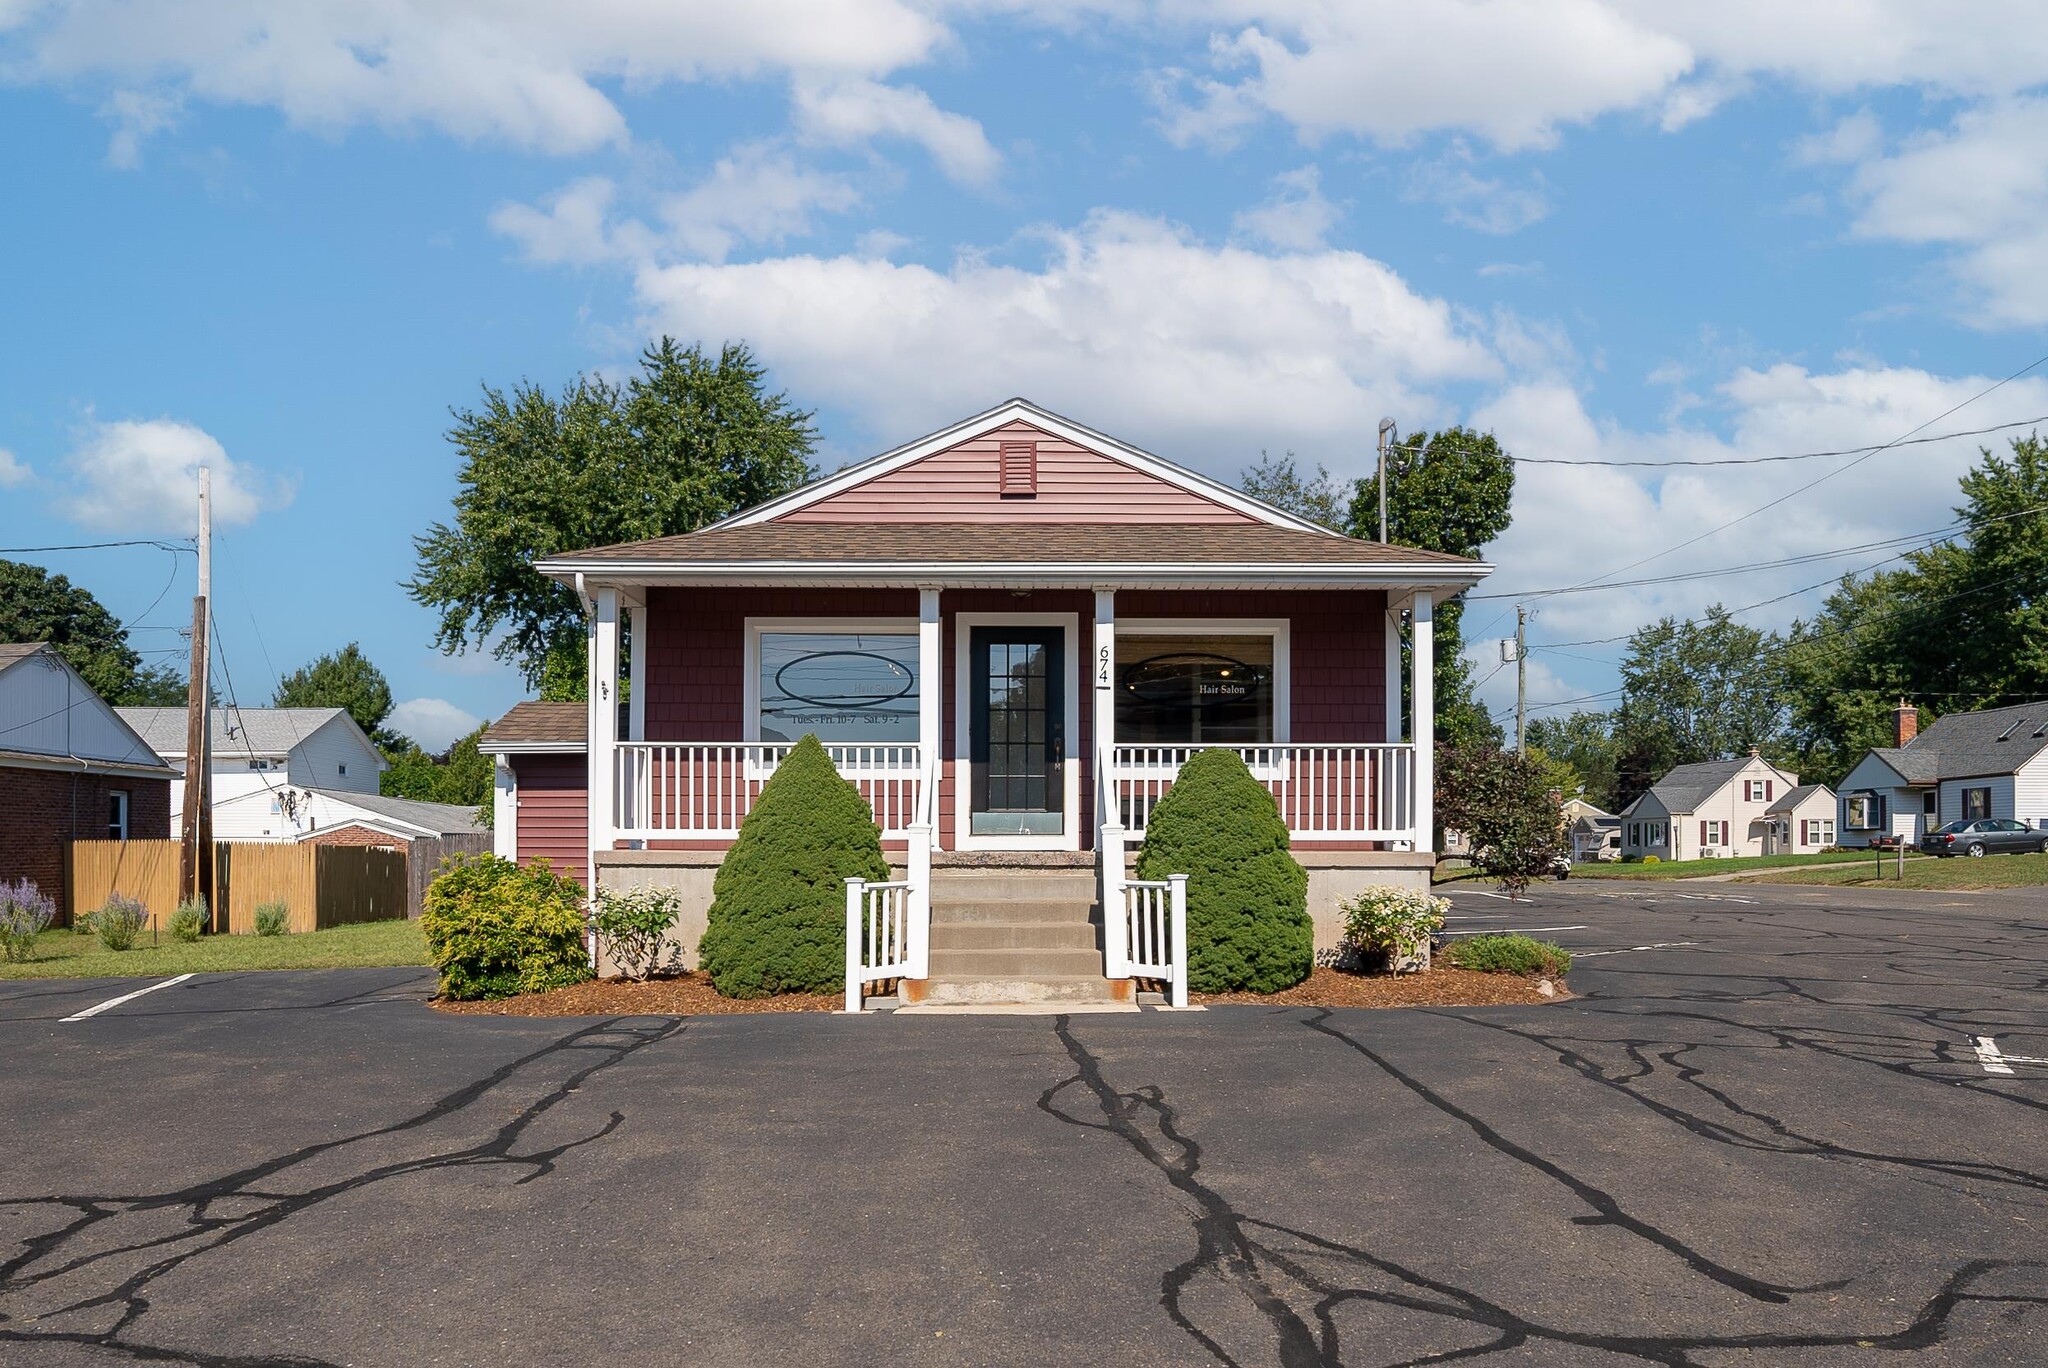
{"x": 1194, "y": 689}
{"x": 847, "y": 687}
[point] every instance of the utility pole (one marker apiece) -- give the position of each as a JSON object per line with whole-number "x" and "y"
{"x": 1521, "y": 673}
{"x": 1386, "y": 431}
{"x": 195, "y": 837}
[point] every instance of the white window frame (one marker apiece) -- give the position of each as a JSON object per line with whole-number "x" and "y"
{"x": 1069, "y": 837}
{"x": 750, "y": 721}
{"x": 1279, "y": 629}
{"x": 122, "y": 802}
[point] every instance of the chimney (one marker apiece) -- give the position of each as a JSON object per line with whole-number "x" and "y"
{"x": 1905, "y": 723}
{"x": 1755, "y": 751}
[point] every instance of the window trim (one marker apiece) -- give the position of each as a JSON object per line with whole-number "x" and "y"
{"x": 1280, "y": 629}
{"x": 964, "y": 836}
{"x": 750, "y": 719}
{"x": 1963, "y": 803}
{"x": 119, "y": 798}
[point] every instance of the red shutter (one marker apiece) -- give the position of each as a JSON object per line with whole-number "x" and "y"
{"x": 1017, "y": 470}
{"x": 1804, "y": 839}
{"x": 1767, "y": 790}
{"x": 1703, "y": 834}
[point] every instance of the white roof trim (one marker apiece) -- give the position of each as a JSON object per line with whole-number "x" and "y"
{"x": 532, "y": 747}
{"x": 1008, "y": 574}
{"x": 1012, "y": 411}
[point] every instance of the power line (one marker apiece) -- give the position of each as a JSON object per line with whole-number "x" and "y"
{"x": 1796, "y": 456}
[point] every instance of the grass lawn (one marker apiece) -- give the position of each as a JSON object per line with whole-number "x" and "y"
{"x": 65, "y": 954}
{"x": 1962, "y": 875}
{"x": 1692, "y": 869}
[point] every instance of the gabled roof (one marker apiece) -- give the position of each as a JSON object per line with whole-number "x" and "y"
{"x": 1994, "y": 741}
{"x": 1014, "y": 411}
{"x": 438, "y": 819}
{"x": 535, "y": 728}
{"x": 240, "y": 731}
{"x": 123, "y": 752}
{"x": 14, "y": 652}
{"x": 1794, "y": 797}
{"x": 1915, "y": 767}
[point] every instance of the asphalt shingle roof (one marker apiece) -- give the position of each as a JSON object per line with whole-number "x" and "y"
{"x": 531, "y": 723}
{"x": 1967, "y": 744}
{"x": 1687, "y": 786}
{"x": 1794, "y": 797}
{"x": 436, "y": 817}
{"x": 14, "y": 652}
{"x": 236, "y": 731}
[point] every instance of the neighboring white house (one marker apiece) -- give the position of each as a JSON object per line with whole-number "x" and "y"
{"x": 1713, "y": 809}
{"x": 1801, "y": 822}
{"x": 1965, "y": 766}
{"x": 257, "y": 754}
{"x": 1594, "y": 833}
{"x": 333, "y": 817}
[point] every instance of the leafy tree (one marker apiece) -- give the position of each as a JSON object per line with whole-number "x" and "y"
{"x": 1695, "y": 691}
{"x": 687, "y": 441}
{"x": 1248, "y": 921}
{"x": 342, "y": 679}
{"x": 1502, "y": 804}
{"x": 1584, "y": 742}
{"x": 461, "y": 775}
{"x": 777, "y": 922}
{"x": 1449, "y": 491}
{"x": 36, "y": 605}
{"x": 1316, "y": 497}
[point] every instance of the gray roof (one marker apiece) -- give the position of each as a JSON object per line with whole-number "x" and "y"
{"x": 1913, "y": 766}
{"x": 14, "y": 652}
{"x": 1794, "y": 797}
{"x": 1968, "y": 744}
{"x": 236, "y": 731}
{"x": 1687, "y": 786}
{"x": 441, "y": 818}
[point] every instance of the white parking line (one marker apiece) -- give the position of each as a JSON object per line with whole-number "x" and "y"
{"x": 1713, "y": 897}
{"x": 1630, "y": 950}
{"x": 1484, "y": 894}
{"x": 97, "y": 1008}
{"x": 1514, "y": 930}
{"x": 1995, "y": 1061}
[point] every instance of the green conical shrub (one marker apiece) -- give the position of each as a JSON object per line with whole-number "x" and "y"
{"x": 1248, "y": 922}
{"x": 778, "y": 906}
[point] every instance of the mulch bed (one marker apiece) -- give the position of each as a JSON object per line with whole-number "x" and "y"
{"x": 684, "y": 995}
{"x": 1441, "y": 986}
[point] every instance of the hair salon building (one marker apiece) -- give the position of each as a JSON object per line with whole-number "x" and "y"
{"x": 1009, "y": 635}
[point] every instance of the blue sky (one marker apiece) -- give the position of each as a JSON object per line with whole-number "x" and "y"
{"x": 288, "y": 242}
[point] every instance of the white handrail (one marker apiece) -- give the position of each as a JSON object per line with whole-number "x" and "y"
{"x": 704, "y": 790}
{"x": 1155, "y": 927}
{"x": 879, "y": 926}
{"x": 1324, "y": 792}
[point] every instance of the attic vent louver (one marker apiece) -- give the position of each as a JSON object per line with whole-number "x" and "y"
{"x": 1017, "y": 470}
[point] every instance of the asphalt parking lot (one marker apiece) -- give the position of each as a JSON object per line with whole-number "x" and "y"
{"x": 1765, "y": 1131}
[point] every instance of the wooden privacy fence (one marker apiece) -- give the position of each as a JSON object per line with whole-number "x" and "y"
{"x": 427, "y": 854}
{"x": 322, "y": 885}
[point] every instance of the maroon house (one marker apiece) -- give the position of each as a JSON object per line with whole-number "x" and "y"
{"x": 70, "y": 770}
{"x": 1009, "y": 635}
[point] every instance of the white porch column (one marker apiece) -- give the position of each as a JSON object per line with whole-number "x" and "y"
{"x": 1423, "y": 735}
{"x": 504, "y": 809}
{"x": 1391, "y": 668}
{"x": 636, "y": 674}
{"x": 604, "y": 724}
{"x": 924, "y": 826}
{"x": 1109, "y": 827}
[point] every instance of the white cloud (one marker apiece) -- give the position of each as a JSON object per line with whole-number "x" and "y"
{"x": 528, "y": 72}
{"x": 1297, "y": 218}
{"x": 137, "y": 116}
{"x": 434, "y": 723}
{"x": 571, "y": 227}
{"x": 1852, "y": 138}
{"x": 1470, "y": 200}
{"x": 1981, "y": 188}
{"x": 847, "y": 113}
{"x": 1128, "y": 321}
{"x": 12, "y": 471}
{"x": 143, "y": 476}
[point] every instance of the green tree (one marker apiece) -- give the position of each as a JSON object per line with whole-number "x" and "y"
{"x": 1450, "y": 491}
{"x": 1274, "y": 480}
{"x": 36, "y": 605}
{"x": 1692, "y": 691}
{"x": 342, "y": 679}
{"x": 1503, "y": 805}
{"x": 1584, "y": 742}
{"x": 461, "y": 775}
{"x": 688, "y": 440}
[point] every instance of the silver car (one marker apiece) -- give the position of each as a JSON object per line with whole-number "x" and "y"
{"x": 1985, "y": 836}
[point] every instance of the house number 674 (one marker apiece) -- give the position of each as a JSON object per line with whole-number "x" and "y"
{"x": 1102, "y": 666}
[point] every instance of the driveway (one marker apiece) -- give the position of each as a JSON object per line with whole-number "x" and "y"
{"x": 1763, "y": 1133}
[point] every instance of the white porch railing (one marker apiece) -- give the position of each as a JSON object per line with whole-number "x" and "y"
{"x": 881, "y": 926}
{"x": 1154, "y": 926}
{"x": 704, "y": 789}
{"x": 1324, "y": 792}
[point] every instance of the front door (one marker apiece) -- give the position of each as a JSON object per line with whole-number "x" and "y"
{"x": 1016, "y": 699}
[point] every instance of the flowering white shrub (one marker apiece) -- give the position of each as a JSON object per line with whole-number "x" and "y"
{"x": 1394, "y": 923}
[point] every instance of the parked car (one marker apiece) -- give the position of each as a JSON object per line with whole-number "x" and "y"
{"x": 1985, "y": 836}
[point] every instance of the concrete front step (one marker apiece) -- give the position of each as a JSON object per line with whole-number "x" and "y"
{"x": 1038, "y": 988}
{"x": 995, "y": 935}
{"x": 1011, "y": 886}
{"x": 1042, "y": 911}
{"x": 1028, "y": 962}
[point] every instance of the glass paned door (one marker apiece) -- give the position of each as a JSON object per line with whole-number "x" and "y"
{"x": 1017, "y": 712}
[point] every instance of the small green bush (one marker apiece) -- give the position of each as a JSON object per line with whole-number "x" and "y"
{"x": 81, "y": 923}
{"x": 1509, "y": 955}
{"x": 1653, "y": 859}
{"x": 778, "y": 906}
{"x": 188, "y": 920}
{"x": 1393, "y": 924}
{"x": 25, "y": 913}
{"x": 632, "y": 926}
{"x": 273, "y": 919}
{"x": 494, "y": 929}
{"x": 1248, "y": 922}
{"x": 120, "y": 922}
